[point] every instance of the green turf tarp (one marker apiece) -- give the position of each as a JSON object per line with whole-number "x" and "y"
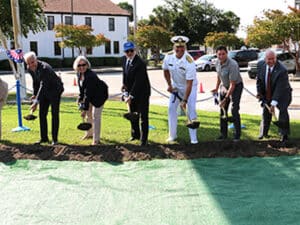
{"x": 206, "y": 191}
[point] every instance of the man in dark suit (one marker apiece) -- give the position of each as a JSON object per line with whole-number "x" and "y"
{"x": 274, "y": 90}
{"x": 136, "y": 84}
{"x": 47, "y": 90}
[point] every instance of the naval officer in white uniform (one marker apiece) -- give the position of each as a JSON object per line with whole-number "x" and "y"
{"x": 180, "y": 74}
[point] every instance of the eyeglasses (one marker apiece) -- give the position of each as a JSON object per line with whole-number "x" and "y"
{"x": 130, "y": 50}
{"x": 81, "y": 65}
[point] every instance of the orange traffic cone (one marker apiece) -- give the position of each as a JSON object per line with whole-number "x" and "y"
{"x": 74, "y": 82}
{"x": 201, "y": 88}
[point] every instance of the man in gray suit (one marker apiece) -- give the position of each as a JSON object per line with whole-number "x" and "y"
{"x": 274, "y": 90}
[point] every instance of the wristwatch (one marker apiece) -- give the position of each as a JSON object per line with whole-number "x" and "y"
{"x": 184, "y": 100}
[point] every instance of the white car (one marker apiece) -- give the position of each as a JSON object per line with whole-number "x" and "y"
{"x": 204, "y": 63}
{"x": 285, "y": 57}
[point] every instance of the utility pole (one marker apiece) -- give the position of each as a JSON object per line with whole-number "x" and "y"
{"x": 72, "y": 22}
{"x": 134, "y": 18}
{"x": 18, "y": 44}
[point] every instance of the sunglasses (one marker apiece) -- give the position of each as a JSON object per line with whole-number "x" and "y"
{"x": 130, "y": 50}
{"x": 81, "y": 65}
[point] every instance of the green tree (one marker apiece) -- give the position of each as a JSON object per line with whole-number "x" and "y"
{"x": 277, "y": 27}
{"x": 193, "y": 18}
{"x": 78, "y": 36}
{"x": 153, "y": 37}
{"x": 31, "y": 16}
{"x": 128, "y": 7}
{"x": 214, "y": 39}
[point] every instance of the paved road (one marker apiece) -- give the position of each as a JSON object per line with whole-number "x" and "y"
{"x": 249, "y": 104}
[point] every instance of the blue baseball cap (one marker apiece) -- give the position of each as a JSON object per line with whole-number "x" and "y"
{"x": 128, "y": 45}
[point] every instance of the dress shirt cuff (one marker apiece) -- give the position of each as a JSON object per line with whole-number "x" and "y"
{"x": 274, "y": 103}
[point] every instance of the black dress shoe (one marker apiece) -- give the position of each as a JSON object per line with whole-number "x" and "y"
{"x": 54, "y": 143}
{"x": 41, "y": 142}
{"x": 284, "y": 138}
{"x": 221, "y": 138}
{"x": 263, "y": 136}
{"x": 144, "y": 143}
{"x": 133, "y": 138}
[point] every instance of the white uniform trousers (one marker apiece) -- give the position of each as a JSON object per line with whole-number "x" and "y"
{"x": 191, "y": 112}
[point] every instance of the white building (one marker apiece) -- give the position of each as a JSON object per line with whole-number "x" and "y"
{"x": 102, "y": 15}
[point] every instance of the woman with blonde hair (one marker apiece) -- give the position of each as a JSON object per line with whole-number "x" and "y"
{"x": 93, "y": 93}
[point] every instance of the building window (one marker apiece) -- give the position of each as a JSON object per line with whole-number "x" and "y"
{"x": 89, "y": 51}
{"x": 111, "y": 24}
{"x": 12, "y": 45}
{"x": 50, "y": 22}
{"x": 68, "y": 20}
{"x": 88, "y": 21}
{"x": 57, "y": 49}
{"x": 34, "y": 47}
{"x": 116, "y": 47}
{"x": 107, "y": 47}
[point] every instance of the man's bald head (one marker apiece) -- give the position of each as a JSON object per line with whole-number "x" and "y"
{"x": 270, "y": 57}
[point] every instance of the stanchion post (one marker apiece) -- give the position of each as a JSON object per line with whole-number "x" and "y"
{"x": 18, "y": 99}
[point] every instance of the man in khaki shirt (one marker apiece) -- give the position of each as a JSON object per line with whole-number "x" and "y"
{"x": 3, "y": 96}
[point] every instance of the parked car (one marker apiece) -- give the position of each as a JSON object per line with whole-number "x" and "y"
{"x": 153, "y": 57}
{"x": 196, "y": 54}
{"x": 285, "y": 57}
{"x": 243, "y": 56}
{"x": 204, "y": 63}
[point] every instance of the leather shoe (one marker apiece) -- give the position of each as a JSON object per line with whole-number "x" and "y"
{"x": 41, "y": 142}
{"x": 54, "y": 143}
{"x": 263, "y": 136}
{"x": 221, "y": 138}
{"x": 144, "y": 143}
{"x": 284, "y": 138}
{"x": 133, "y": 138}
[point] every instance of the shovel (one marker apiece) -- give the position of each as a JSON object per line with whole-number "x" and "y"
{"x": 276, "y": 122}
{"x": 30, "y": 116}
{"x": 84, "y": 126}
{"x": 131, "y": 116}
{"x": 226, "y": 117}
{"x": 193, "y": 124}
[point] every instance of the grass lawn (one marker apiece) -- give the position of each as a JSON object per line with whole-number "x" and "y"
{"x": 116, "y": 130}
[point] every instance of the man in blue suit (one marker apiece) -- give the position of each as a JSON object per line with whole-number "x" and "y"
{"x": 274, "y": 90}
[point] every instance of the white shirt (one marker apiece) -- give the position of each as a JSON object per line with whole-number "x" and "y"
{"x": 180, "y": 70}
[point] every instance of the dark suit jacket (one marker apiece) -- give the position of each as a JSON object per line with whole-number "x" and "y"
{"x": 136, "y": 81}
{"x": 280, "y": 86}
{"x": 92, "y": 90}
{"x": 52, "y": 86}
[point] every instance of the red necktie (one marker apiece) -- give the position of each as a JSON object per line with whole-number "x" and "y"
{"x": 269, "y": 94}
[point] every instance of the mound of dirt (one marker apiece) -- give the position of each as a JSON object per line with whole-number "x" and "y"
{"x": 126, "y": 152}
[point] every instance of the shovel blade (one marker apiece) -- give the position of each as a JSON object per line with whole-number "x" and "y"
{"x": 84, "y": 126}
{"x": 193, "y": 125}
{"x": 131, "y": 116}
{"x": 30, "y": 117}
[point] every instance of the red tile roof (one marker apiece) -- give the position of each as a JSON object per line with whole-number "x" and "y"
{"x": 98, "y": 7}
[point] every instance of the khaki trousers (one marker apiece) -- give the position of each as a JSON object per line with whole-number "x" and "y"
{"x": 94, "y": 117}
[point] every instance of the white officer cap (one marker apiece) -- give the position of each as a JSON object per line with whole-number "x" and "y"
{"x": 180, "y": 40}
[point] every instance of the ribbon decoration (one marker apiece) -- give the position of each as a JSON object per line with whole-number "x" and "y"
{"x": 16, "y": 55}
